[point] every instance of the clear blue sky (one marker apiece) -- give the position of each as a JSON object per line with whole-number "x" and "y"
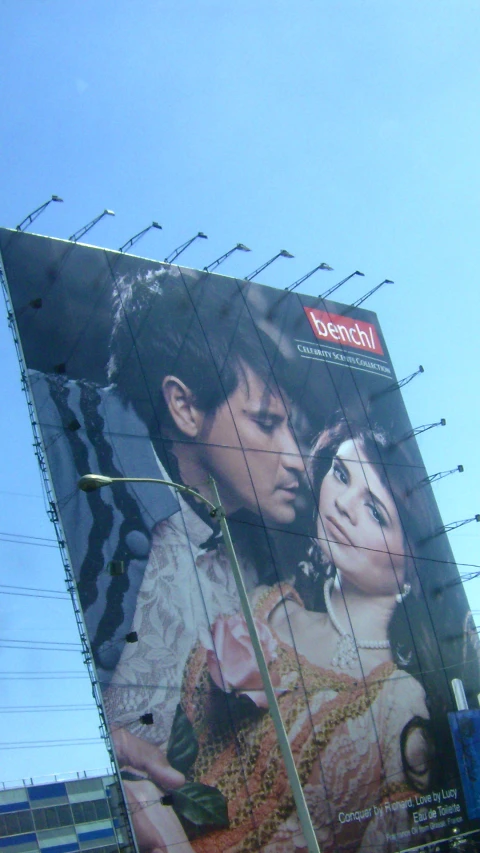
{"x": 344, "y": 132}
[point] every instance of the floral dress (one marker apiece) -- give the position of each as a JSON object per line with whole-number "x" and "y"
{"x": 345, "y": 737}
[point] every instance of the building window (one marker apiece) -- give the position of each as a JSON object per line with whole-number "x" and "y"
{"x": 88, "y": 812}
{"x": 14, "y": 823}
{"x": 52, "y": 817}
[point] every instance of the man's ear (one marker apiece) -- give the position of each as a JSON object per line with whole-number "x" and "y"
{"x": 181, "y": 404}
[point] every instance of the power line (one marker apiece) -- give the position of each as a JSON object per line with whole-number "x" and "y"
{"x": 40, "y": 648}
{"x": 38, "y": 744}
{"x": 33, "y": 595}
{"x": 34, "y": 592}
{"x": 32, "y": 588}
{"x": 42, "y": 709}
{"x": 26, "y": 542}
{"x": 41, "y": 672}
{"x": 27, "y": 536}
{"x": 45, "y": 642}
{"x": 41, "y": 677}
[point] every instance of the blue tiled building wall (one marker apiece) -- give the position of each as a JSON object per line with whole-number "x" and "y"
{"x": 81, "y": 807}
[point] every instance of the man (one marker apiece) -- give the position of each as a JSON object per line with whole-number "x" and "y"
{"x": 199, "y": 374}
{"x": 192, "y": 396}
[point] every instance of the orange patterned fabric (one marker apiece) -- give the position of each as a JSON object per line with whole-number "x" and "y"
{"x": 334, "y": 723}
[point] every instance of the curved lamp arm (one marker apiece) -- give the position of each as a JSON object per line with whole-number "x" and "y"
{"x": 91, "y": 482}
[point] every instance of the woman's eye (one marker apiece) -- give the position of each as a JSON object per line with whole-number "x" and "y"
{"x": 378, "y": 516}
{"x": 340, "y": 473}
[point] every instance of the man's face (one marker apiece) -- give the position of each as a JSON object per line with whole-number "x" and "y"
{"x": 248, "y": 447}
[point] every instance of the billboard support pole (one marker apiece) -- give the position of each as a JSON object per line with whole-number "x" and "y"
{"x": 282, "y": 254}
{"x": 136, "y": 237}
{"x": 91, "y": 482}
{"x": 178, "y": 251}
{"x": 82, "y": 231}
{"x": 36, "y": 213}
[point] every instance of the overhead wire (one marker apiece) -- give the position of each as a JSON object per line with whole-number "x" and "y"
{"x": 43, "y": 709}
{"x": 26, "y": 542}
{"x": 38, "y": 744}
{"x": 41, "y": 677}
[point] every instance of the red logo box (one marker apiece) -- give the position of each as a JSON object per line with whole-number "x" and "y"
{"x": 344, "y": 330}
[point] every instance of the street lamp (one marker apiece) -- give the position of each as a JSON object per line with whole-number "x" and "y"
{"x": 91, "y": 482}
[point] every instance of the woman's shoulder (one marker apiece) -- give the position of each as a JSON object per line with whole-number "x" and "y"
{"x": 266, "y": 600}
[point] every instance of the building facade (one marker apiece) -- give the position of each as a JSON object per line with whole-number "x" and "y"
{"x": 63, "y": 817}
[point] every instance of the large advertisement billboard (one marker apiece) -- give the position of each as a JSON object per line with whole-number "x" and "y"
{"x": 138, "y": 369}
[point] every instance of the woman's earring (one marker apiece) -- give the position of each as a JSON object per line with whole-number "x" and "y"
{"x": 401, "y": 596}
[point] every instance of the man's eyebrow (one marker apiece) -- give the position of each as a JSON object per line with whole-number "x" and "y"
{"x": 263, "y": 411}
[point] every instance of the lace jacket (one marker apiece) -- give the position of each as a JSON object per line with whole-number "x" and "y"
{"x": 186, "y": 585}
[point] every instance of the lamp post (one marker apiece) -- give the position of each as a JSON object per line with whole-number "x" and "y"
{"x": 91, "y": 482}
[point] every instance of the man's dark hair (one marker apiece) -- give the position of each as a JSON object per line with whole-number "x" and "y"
{"x": 199, "y": 330}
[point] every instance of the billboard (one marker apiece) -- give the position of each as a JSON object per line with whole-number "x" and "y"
{"x": 138, "y": 369}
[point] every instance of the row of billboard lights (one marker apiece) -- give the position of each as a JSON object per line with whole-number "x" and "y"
{"x": 283, "y": 253}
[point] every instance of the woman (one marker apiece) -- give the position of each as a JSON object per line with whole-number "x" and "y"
{"x": 357, "y": 720}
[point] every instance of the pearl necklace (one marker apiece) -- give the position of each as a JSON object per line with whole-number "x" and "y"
{"x": 346, "y": 654}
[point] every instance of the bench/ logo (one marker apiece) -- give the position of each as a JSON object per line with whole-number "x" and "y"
{"x": 343, "y": 330}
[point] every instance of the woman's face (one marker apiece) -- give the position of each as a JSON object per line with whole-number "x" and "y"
{"x": 358, "y": 524}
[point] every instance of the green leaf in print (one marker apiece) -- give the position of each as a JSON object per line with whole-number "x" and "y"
{"x": 201, "y": 805}
{"x": 182, "y": 747}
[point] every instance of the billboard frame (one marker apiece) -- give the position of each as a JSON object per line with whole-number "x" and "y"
{"x": 65, "y": 558}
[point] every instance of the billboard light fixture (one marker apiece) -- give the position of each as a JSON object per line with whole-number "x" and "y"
{"x": 395, "y": 386}
{"x": 363, "y": 299}
{"x": 178, "y": 251}
{"x": 240, "y": 247}
{"x": 36, "y": 213}
{"x": 468, "y": 576}
{"x": 131, "y": 637}
{"x": 116, "y": 568}
{"x": 434, "y": 478}
{"x": 418, "y": 431}
{"x": 146, "y": 719}
{"x": 447, "y": 528}
{"x": 281, "y": 254}
{"x": 91, "y": 482}
{"x": 133, "y": 240}
{"x": 339, "y": 284}
{"x": 322, "y": 266}
{"x": 74, "y": 425}
{"x": 82, "y": 231}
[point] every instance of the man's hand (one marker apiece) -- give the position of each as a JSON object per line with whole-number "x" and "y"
{"x": 156, "y": 826}
{"x": 146, "y": 758}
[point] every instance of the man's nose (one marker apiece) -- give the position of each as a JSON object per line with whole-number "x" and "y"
{"x": 290, "y": 453}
